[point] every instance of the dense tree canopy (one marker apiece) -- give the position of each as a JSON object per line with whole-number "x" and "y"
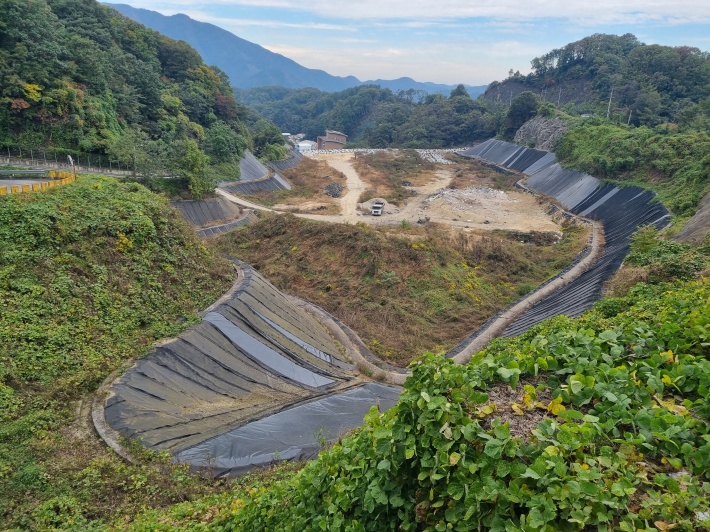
{"x": 78, "y": 75}
{"x": 651, "y": 83}
{"x": 377, "y": 117}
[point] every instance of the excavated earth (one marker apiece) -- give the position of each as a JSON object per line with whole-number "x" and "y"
{"x": 266, "y": 377}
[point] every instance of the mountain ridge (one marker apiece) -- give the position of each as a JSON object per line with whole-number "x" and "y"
{"x": 237, "y": 56}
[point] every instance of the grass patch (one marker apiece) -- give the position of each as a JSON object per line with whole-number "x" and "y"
{"x": 403, "y": 290}
{"x": 308, "y": 179}
{"x": 91, "y": 274}
{"x": 384, "y": 172}
{"x": 472, "y": 171}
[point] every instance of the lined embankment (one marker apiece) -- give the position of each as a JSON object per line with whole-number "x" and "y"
{"x": 620, "y": 211}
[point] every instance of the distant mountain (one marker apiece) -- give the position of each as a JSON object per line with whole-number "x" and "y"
{"x": 432, "y": 88}
{"x": 250, "y": 65}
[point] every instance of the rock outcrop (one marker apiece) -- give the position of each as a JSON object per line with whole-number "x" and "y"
{"x": 541, "y": 133}
{"x": 698, "y": 226}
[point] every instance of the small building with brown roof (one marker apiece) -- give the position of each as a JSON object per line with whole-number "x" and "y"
{"x": 333, "y": 140}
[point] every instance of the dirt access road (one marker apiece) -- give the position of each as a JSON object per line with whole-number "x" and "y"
{"x": 476, "y": 207}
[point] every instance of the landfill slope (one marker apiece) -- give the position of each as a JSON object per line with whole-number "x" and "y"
{"x": 620, "y": 210}
{"x": 255, "y": 354}
{"x": 208, "y": 212}
{"x": 254, "y": 177}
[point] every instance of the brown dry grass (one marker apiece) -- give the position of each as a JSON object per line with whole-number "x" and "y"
{"x": 623, "y": 280}
{"x": 474, "y": 173}
{"x": 309, "y": 180}
{"x": 403, "y": 290}
{"x": 383, "y": 173}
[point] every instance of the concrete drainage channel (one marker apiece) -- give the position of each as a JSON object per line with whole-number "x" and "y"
{"x": 266, "y": 377}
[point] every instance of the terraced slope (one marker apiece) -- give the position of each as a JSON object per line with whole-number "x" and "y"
{"x": 255, "y": 354}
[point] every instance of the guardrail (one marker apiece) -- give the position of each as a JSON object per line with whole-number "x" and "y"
{"x": 57, "y": 159}
{"x": 54, "y": 179}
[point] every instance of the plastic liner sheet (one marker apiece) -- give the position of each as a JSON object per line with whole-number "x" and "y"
{"x": 258, "y": 296}
{"x": 206, "y": 212}
{"x": 250, "y": 188}
{"x": 621, "y": 210}
{"x": 543, "y": 162}
{"x": 293, "y": 434}
{"x": 251, "y": 169}
{"x": 255, "y": 353}
{"x": 265, "y": 355}
{"x": 311, "y": 349}
{"x": 282, "y": 181}
{"x": 525, "y": 159}
{"x": 209, "y": 231}
{"x": 294, "y": 158}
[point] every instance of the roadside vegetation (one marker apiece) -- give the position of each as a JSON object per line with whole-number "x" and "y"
{"x": 405, "y": 289}
{"x": 91, "y": 274}
{"x": 600, "y": 422}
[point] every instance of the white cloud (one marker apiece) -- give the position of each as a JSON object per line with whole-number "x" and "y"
{"x": 598, "y": 12}
{"x": 236, "y": 23}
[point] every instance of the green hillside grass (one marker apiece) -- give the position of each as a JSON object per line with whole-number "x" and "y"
{"x": 91, "y": 274}
{"x": 675, "y": 164}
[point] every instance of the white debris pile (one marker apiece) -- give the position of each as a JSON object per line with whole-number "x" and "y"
{"x": 436, "y": 156}
{"x": 469, "y": 198}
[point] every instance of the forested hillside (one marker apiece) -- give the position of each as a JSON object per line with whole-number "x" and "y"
{"x": 79, "y": 76}
{"x": 378, "y": 118}
{"x": 650, "y": 83}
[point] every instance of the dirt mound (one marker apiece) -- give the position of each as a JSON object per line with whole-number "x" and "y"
{"x": 469, "y": 198}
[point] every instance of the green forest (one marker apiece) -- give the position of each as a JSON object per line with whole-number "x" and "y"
{"x": 652, "y": 85}
{"x": 378, "y": 118}
{"x": 80, "y": 77}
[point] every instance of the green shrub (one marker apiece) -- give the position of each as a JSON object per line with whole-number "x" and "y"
{"x": 577, "y": 424}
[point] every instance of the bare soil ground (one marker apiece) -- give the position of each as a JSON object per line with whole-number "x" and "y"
{"x": 476, "y": 205}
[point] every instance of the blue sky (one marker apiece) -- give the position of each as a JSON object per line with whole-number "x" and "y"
{"x": 444, "y": 41}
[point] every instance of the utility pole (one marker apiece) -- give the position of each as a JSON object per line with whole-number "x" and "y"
{"x": 559, "y": 97}
{"x": 608, "y": 109}
{"x": 629, "y": 120}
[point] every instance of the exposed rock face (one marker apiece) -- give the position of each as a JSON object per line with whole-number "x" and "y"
{"x": 541, "y": 133}
{"x": 568, "y": 91}
{"x": 698, "y": 226}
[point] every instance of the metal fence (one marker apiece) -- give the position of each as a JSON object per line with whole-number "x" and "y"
{"x": 59, "y": 159}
